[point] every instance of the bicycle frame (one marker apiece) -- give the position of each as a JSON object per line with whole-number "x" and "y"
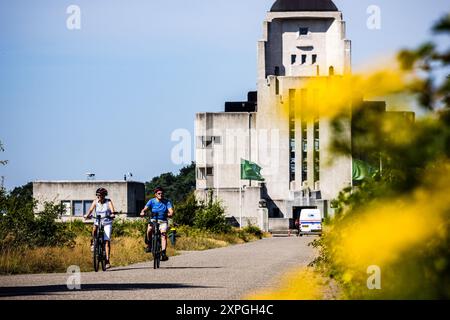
{"x": 99, "y": 255}
{"x": 155, "y": 241}
{"x": 156, "y": 244}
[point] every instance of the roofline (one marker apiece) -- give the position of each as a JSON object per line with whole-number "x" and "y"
{"x": 223, "y": 112}
{"x": 304, "y": 15}
{"x": 87, "y": 181}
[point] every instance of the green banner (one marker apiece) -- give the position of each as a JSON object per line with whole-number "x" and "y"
{"x": 250, "y": 171}
{"x": 362, "y": 170}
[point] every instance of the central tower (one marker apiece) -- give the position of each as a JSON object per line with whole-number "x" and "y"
{"x": 302, "y": 39}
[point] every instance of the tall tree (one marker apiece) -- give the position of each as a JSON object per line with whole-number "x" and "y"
{"x": 177, "y": 187}
{"x": 2, "y": 162}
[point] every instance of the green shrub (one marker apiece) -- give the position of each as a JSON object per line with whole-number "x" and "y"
{"x": 212, "y": 217}
{"x": 49, "y": 232}
{"x": 19, "y": 226}
{"x": 79, "y": 228}
{"x": 254, "y": 230}
{"x": 127, "y": 228}
{"x": 185, "y": 211}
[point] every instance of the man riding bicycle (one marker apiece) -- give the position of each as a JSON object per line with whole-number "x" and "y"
{"x": 160, "y": 209}
{"x": 103, "y": 207}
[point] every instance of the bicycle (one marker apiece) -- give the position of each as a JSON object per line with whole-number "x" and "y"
{"x": 99, "y": 255}
{"x": 156, "y": 243}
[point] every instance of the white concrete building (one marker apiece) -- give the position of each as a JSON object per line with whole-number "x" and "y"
{"x": 302, "y": 39}
{"x": 77, "y": 196}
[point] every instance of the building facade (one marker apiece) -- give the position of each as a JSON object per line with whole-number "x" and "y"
{"x": 303, "y": 47}
{"x": 77, "y": 196}
{"x": 301, "y": 40}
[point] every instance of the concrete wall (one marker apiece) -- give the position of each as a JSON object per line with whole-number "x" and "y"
{"x": 223, "y": 157}
{"x": 281, "y": 39}
{"x": 126, "y": 195}
{"x": 229, "y": 198}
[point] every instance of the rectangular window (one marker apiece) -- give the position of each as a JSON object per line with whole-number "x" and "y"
{"x": 316, "y": 144}
{"x": 314, "y": 58}
{"x": 292, "y": 144}
{"x": 68, "y": 207}
{"x": 87, "y": 205}
{"x": 201, "y": 173}
{"x": 293, "y": 58}
{"x": 208, "y": 142}
{"x": 303, "y": 31}
{"x": 209, "y": 171}
{"x": 292, "y": 108}
{"x": 316, "y": 149}
{"x": 304, "y": 143}
{"x": 77, "y": 208}
{"x": 303, "y": 58}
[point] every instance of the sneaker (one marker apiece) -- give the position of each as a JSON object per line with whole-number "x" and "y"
{"x": 164, "y": 257}
{"x": 108, "y": 265}
{"x": 92, "y": 248}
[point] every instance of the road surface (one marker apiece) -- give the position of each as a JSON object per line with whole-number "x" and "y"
{"x": 228, "y": 273}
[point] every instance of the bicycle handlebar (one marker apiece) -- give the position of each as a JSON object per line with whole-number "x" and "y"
{"x": 112, "y": 216}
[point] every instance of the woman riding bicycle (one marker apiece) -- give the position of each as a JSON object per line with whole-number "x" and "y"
{"x": 160, "y": 209}
{"x": 103, "y": 207}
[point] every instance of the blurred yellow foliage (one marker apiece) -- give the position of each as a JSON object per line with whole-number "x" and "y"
{"x": 301, "y": 284}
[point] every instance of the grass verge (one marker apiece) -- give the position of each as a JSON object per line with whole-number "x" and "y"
{"x": 127, "y": 248}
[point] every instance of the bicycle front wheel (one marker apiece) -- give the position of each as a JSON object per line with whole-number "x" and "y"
{"x": 95, "y": 256}
{"x": 103, "y": 256}
{"x": 155, "y": 252}
{"x": 158, "y": 261}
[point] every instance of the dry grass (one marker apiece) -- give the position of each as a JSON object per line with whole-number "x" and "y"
{"x": 198, "y": 243}
{"x": 125, "y": 250}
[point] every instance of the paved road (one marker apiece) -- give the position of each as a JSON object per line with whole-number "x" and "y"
{"x": 225, "y": 273}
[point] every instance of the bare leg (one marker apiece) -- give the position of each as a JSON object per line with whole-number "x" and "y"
{"x": 108, "y": 250}
{"x": 94, "y": 230}
{"x": 163, "y": 241}
{"x": 149, "y": 234}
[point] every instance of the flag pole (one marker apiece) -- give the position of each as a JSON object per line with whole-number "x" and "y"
{"x": 240, "y": 205}
{"x": 240, "y": 195}
{"x": 217, "y": 174}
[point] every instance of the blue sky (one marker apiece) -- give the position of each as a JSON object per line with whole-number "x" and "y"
{"x": 106, "y": 98}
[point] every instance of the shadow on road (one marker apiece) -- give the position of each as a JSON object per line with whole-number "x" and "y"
{"x": 162, "y": 268}
{"x": 55, "y": 289}
{"x": 191, "y": 267}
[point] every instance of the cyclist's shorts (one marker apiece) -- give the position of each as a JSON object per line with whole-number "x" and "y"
{"x": 162, "y": 225}
{"x": 107, "y": 234}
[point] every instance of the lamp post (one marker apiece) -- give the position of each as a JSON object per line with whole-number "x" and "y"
{"x": 240, "y": 204}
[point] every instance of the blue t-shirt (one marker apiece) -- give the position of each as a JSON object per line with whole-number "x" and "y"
{"x": 159, "y": 208}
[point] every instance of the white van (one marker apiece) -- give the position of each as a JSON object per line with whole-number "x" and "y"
{"x": 310, "y": 222}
